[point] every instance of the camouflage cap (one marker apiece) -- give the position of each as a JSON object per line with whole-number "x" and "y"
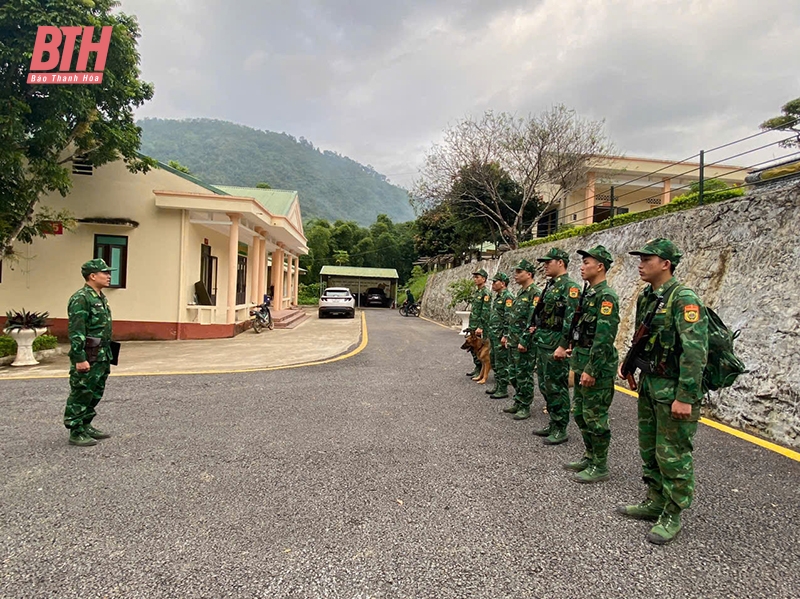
{"x": 501, "y": 276}
{"x": 96, "y": 265}
{"x": 555, "y": 254}
{"x": 599, "y": 253}
{"x": 525, "y": 265}
{"x": 661, "y": 247}
{"x": 481, "y": 273}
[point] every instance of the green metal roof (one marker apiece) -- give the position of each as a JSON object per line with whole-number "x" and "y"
{"x": 183, "y": 175}
{"x": 359, "y": 271}
{"x": 276, "y": 201}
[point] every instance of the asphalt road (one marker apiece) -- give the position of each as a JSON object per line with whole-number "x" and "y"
{"x": 389, "y": 474}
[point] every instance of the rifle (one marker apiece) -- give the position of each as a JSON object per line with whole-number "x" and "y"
{"x": 534, "y": 322}
{"x": 574, "y": 333}
{"x": 640, "y": 339}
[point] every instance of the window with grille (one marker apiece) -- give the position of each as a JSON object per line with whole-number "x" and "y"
{"x": 114, "y": 250}
{"x": 81, "y": 166}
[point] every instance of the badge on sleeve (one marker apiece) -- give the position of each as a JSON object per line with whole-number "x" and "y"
{"x": 606, "y": 308}
{"x": 509, "y": 301}
{"x": 574, "y": 292}
{"x": 691, "y": 313}
{"x": 535, "y": 300}
{"x": 486, "y": 298}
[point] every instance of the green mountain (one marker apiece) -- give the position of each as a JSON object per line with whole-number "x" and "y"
{"x": 330, "y": 185}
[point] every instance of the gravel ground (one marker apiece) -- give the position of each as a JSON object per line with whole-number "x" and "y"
{"x": 386, "y": 475}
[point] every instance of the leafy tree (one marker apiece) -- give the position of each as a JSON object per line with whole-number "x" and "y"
{"x": 178, "y": 166}
{"x": 43, "y": 127}
{"x": 545, "y": 156}
{"x": 788, "y": 121}
{"x": 341, "y": 257}
{"x": 262, "y": 185}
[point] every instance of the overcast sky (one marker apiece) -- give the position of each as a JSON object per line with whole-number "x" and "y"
{"x": 379, "y": 80}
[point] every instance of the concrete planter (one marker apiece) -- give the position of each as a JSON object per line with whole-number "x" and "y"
{"x": 464, "y": 316}
{"x": 24, "y": 339}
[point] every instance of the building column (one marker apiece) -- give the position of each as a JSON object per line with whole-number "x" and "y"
{"x": 296, "y": 279}
{"x": 262, "y": 265}
{"x": 277, "y": 277}
{"x": 233, "y": 254}
{"x": 666, "y": 197}
{"x": 588, "y": 203}
{"x": 252, "y": 266}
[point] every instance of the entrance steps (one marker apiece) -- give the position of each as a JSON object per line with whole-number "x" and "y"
{"x": 289, "y": 318}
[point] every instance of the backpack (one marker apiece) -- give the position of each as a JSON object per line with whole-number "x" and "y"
{"x": 722, "y": 364}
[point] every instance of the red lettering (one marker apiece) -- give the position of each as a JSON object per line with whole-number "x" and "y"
{"x": 42, "y": 45}
{"x": 70, "y": 35}
{"x": 101, "y": 48}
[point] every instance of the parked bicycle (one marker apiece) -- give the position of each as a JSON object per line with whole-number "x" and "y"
{"x": 262, "y": 318}
{"x": 407, "y": 309}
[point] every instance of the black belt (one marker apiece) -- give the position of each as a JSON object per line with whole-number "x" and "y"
{"x": 650, "y": 368}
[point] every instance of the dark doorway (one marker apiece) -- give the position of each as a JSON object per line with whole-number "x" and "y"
{"x": 208, "y": 272}
{"x": 241, "y": 280}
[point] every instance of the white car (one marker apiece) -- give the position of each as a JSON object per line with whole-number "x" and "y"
{"x": 337, "y": 300}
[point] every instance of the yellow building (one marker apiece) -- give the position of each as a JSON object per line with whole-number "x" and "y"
{"x": 192, "y": 258}
{"x": 639, "y": 184}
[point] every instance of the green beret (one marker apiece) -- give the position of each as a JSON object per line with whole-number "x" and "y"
{"x": 599, "y": 253}
{"x": 96, "y": 265}
{"x": 501, "y": 276}
{"x": 525, "y": 265}
{"x": 555, "y": 254}
{"x": 482, "y": 273}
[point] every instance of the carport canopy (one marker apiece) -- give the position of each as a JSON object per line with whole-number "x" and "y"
{"x": 359, "y": 278}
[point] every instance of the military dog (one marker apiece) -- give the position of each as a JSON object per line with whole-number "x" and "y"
{"x": 481, "y": 347}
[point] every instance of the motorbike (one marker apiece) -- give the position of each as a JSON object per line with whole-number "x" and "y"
{"x": 409, "y": 310}
{"x": 262, "y": 318}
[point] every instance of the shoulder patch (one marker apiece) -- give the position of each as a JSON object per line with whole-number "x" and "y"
{"x": 574, "y": 292}
{"x": 606, "y": 308}
{"x": 509, "y": 301}
{"x": 486, "y": 298}
{"x": 691, "y": 312}
{"x": 524, "y": 299}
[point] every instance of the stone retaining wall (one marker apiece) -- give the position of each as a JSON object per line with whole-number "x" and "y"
{"x": 742, "y": 256}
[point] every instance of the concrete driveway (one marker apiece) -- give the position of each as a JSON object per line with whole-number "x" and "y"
{"x": 388, "y": 474}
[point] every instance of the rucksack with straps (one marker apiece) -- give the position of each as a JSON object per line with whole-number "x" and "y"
{"x": 722, "y": 364}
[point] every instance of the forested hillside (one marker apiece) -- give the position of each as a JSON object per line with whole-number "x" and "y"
{"x": 331, "y": 186}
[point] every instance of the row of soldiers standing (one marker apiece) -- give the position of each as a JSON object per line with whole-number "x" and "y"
{"x": 537, "y": 332}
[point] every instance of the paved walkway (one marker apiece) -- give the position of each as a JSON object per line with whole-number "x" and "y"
{"x": 387, "y": 474}
{"x": 313, "y": 340}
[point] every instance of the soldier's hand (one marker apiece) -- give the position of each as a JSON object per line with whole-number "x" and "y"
{"x": 619, "y": 372}
{"x": 587, "y": 381}
{"x": 531, "y": 330}
{"x": 504, "y": 341}
{"x": 569, "y": 352}
{"x": 83, "y": 366}
{"x": 681, "y": 411}
{"x": 560, "y": 354}
{"x": 521, "y": 348}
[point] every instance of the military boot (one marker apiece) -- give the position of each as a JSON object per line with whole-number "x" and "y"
{"x": 500, "y": 393}
{"x": 475, "y": 372}
{"x": 542, "y": 432}
{"x": 491, "y": 391}
{"x": 523, "y": 413}
{"x": 581, "y": 464}
{"x": 649, "y": 509}
{"x": 666, "y": 529}
{"x": 592, "y": 474}
{"x": 95, "y": 433}
{"x": 557, "y": 436}
{"x": 513, "y": 408}
{"x": 81, "y": 439}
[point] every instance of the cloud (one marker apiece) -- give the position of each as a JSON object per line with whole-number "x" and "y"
{"x": 378, "y": 81}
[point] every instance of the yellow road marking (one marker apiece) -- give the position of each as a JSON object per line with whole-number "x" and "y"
{"x": 436, "y": 323}
{"x": 784, "y": 451}
{"x": 359, "y": 349}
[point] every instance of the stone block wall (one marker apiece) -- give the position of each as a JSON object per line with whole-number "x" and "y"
{"x": 742, "y": 257}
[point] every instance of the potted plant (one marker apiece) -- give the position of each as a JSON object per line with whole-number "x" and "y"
{"x": 461, "y": 292}
{"x": 24, "y": 327}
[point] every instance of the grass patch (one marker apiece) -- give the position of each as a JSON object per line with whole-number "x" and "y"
{"x": 8, "y": 346}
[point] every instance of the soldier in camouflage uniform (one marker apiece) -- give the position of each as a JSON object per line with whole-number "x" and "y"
{"x": 89, "y": 317}
{"x": 551, "y": 337}
{"x": 479, "y": 312}
{"x": 594, "y": 362}
{"x": 670, "y": 390}
{"x": 498, "y": 319}
{"x": 518, "y": 340}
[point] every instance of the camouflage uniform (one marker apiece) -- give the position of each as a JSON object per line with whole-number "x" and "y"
{"x": 594, "y": 353}
{"x": 522, "y": 364}
{"x": 672, "y": 367}
{"x": 498, "y": 324}
{"x": 479, "y": 313}
{"x": 89, "y": 316}
{"x": 552, "y": 330}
